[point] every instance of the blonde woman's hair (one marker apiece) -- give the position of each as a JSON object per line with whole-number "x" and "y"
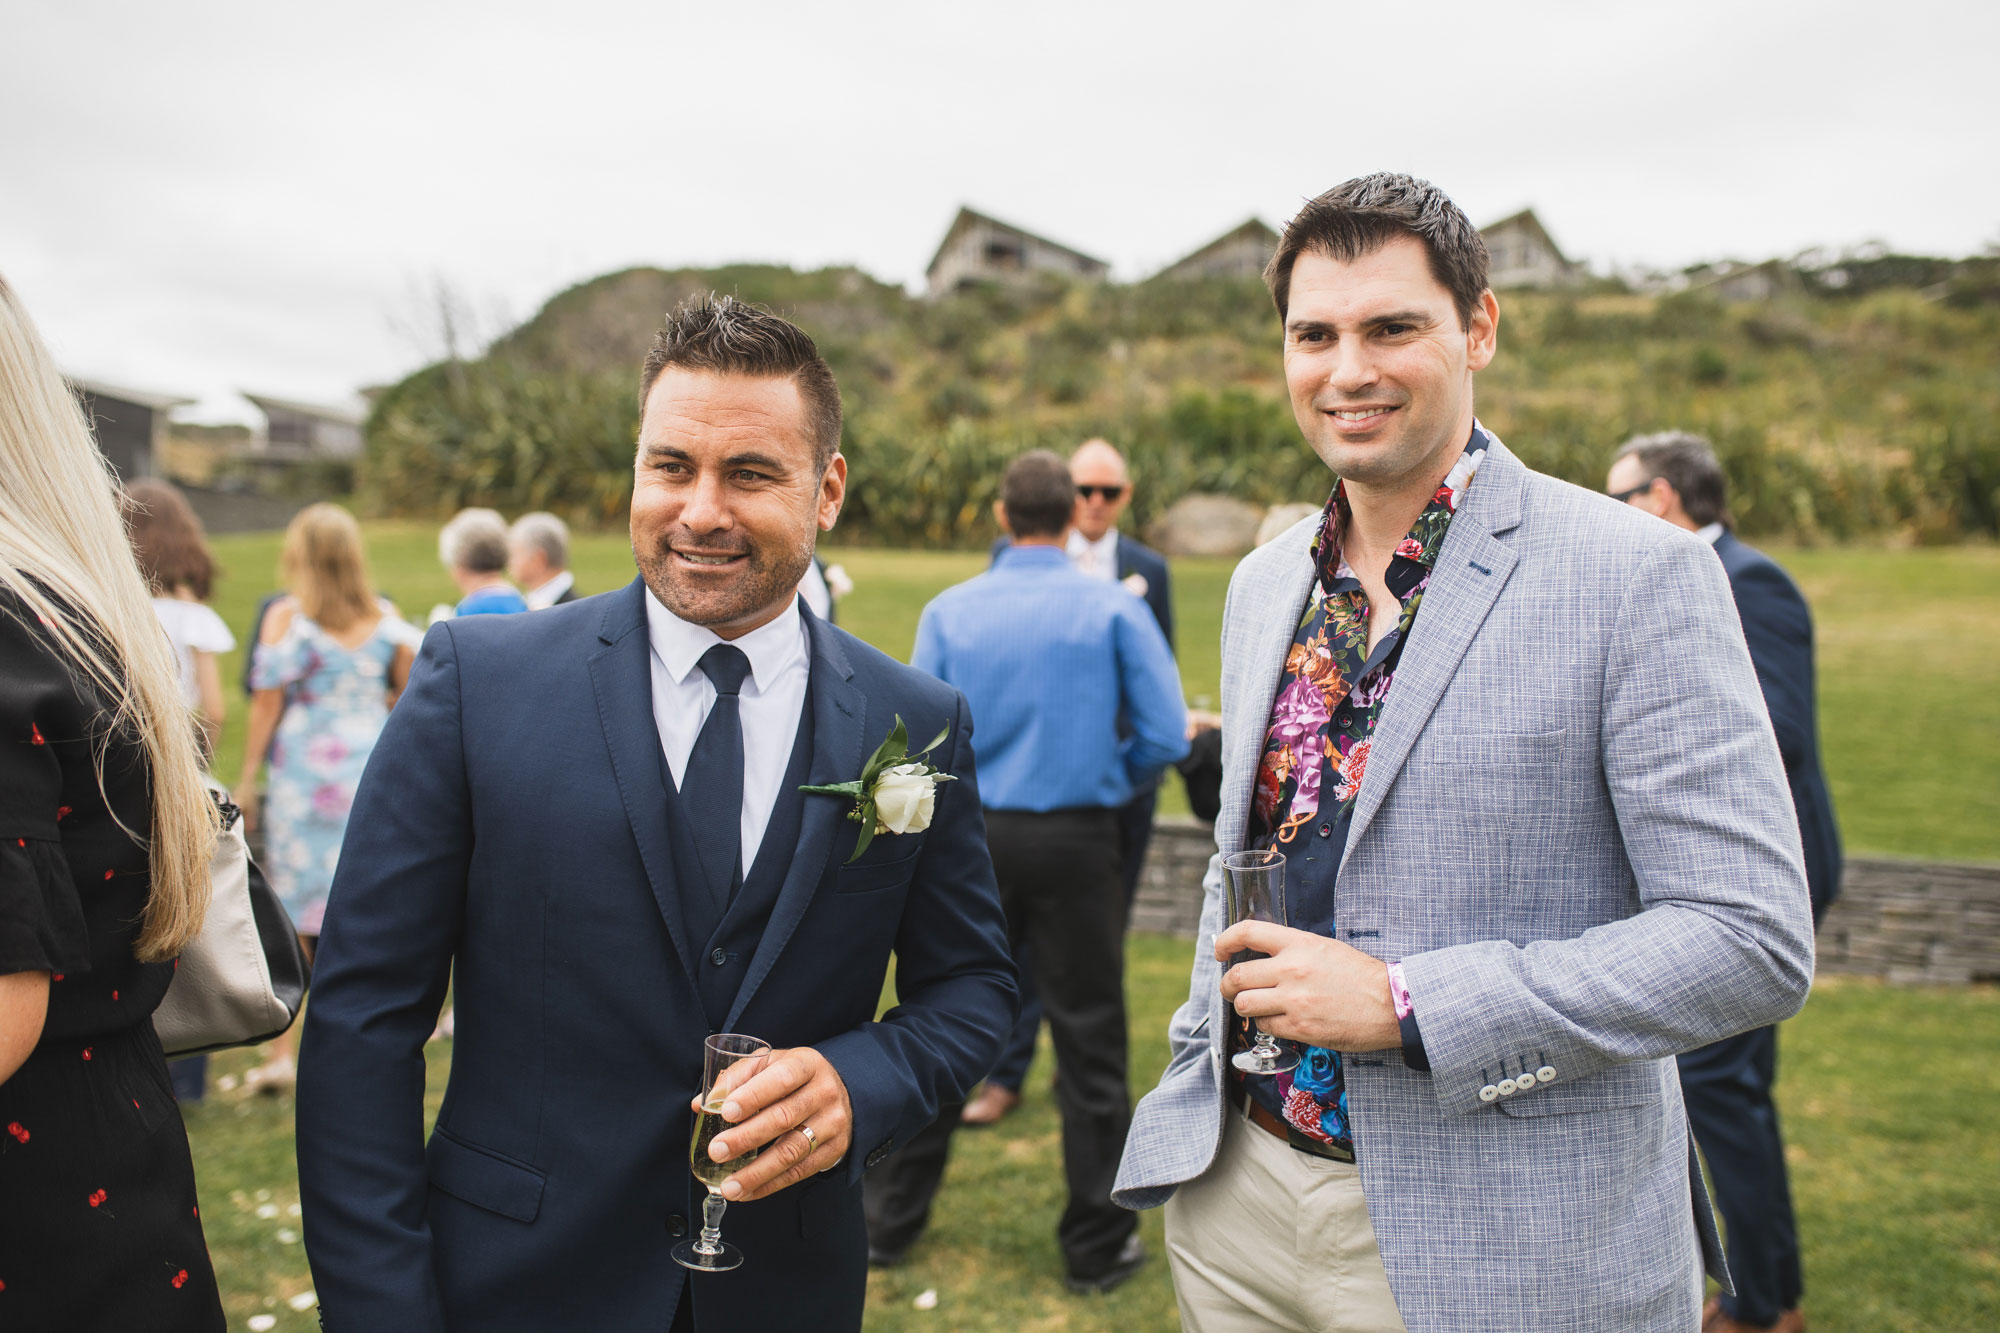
{"x": 63, "y": 553}
{"x": 325, "y": 569}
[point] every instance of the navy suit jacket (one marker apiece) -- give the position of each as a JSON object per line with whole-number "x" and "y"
{"x": 509, "y": 838}
{"x": 1133, "y": 558}
{"x": 1778, "y": 627}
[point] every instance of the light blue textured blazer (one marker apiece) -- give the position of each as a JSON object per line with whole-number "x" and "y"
{"x": 1576, "y": 834}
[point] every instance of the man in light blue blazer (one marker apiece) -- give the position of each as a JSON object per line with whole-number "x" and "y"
{"x": 1538, "y": 841}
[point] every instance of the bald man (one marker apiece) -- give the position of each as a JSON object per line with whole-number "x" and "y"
{"x": 1095, "y": 547}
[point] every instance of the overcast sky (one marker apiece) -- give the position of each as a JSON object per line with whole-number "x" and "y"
{"x": 200, "y": 197}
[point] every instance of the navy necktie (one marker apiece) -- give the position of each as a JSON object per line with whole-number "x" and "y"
{"x": 712, "y": 788}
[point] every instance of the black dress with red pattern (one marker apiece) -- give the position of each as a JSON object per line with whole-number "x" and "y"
{"x": 99, "y": 1228}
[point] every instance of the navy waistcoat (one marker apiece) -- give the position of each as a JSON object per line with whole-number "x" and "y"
{"x": 728, "y": 945}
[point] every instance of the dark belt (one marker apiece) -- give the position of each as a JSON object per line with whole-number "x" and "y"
{"x": 1255, "y": 1113}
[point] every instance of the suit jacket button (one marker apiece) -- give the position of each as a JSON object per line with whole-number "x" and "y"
{"x": 676, "y": 1225}
{"x": 1507, "y": 1086}
{"x": 1489, "y": 1093}
{"x": 1546, "y": 1074}
{"x": 718, "y": 958}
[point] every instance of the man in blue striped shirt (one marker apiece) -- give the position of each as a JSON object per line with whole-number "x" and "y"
{"x": 1048, "y": 659}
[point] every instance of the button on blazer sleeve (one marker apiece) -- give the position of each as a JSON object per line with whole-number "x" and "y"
{"x": 1722, "y": 940}
{"x": 379, "y": 980}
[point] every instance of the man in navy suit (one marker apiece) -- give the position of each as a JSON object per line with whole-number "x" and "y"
{"x": 1095, "y": 547}
{"x": 589, "y": 823}
{"x": 1677, "y": 477}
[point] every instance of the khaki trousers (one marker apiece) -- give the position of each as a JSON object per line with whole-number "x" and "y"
{"x": 1273, "y": 1238}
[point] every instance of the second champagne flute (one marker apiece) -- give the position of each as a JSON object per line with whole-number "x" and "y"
{"x": 1255, "y": 883}
{"x": 729, "y": 1060}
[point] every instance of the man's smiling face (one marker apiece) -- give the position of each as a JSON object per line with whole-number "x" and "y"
{"x": 727, "y": 501}
{"x": 1378, "y": 366}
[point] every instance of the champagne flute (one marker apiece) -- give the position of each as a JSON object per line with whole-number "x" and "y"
{"x": 1255, "y": 883}
{"x": 729, "y": 1060}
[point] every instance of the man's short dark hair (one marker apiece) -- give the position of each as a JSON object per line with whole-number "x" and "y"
{"x": 1689, "y": 464}
{"x": 725, "y": 336}
{"x": 1360, "y": 216}
{"x": 1038, "y": 495}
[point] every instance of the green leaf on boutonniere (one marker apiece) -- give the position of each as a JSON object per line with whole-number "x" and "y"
{"x": 894, "y": 750}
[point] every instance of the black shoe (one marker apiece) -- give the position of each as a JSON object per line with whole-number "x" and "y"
{"x": 885, "y": 1258}
{"x": 1130, "y": 1260}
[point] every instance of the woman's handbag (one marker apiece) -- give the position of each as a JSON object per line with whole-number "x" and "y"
{"x": 242, "y": 980}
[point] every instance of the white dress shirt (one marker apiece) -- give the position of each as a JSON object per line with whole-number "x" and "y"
{"x": 1709, "y": 533}
{"x": 540, "y": 599}
{"x": 773, "y": 696}
{"x": 1099, "y": 558}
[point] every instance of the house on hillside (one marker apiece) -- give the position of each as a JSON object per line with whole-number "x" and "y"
{"x": 297, "y": 432}
{"x": 1746, "y": 282}
{"x": 978, "y": 249}
{"x": 1240, "y": 252}
{"x": 130, "y": 424}
{"x": 1521, "y": 253}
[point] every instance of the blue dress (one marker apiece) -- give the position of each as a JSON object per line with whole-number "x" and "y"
{"x": 337, "y": 701}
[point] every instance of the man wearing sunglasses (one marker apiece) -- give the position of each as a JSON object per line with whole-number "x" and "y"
{"x": 1095, "y": 547}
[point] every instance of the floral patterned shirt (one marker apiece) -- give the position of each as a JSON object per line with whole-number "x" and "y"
{"x": 1316, "y": 755}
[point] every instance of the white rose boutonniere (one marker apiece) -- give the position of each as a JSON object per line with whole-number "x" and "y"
{"x": 1135, "y": 584}
{"x": 896, "y": 793}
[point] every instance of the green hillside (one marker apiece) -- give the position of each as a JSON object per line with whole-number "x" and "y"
{"x": 1838, "y": 415}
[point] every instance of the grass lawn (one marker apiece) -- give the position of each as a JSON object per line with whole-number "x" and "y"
{"x": 1887, "y": 1093}
{"x": 1887, "y": 1097}
{"x": 1905, "y": 639}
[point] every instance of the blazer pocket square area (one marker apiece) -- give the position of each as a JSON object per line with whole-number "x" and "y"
{"x": 868, "y": 875}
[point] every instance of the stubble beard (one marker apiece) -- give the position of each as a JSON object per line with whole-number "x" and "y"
{"x": 763, "y": 581}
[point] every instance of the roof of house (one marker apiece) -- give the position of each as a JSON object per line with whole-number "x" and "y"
{"x": 346, "y": 416}
{"x": 158, "y": 402}
{"x": 1256, "y": 227}
{"x": 1527, "y": 220}
{"x": 968, "y": 218}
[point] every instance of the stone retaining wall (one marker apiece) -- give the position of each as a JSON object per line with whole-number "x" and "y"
{"x": 1916, "y": 923}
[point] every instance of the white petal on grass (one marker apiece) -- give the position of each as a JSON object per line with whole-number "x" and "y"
{"x": 293, "y": 1211}
{"x": 304, "y": 1301}
{"x": 927, "y": 1299}
{"x": 260, "y": 1322}
{"x": 287, "y": 1236}
{"x": 267, "y": 1211}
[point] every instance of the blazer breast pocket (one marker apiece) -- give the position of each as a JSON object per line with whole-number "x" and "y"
{"x": 869, "y": 875}
{"x": 484, "y": 1179}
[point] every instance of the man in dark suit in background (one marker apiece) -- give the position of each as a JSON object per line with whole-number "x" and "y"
{"x": 1095, "y": 547}
{"x": 538, "y": 560}
{"x": 591, "y": 823}
{"x": 1677, "y": 477}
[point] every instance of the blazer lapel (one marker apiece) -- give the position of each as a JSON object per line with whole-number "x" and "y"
{"x": 621, "y": 674}
{"x": 1471, "y": 570}
{"x": 840, "y": 734}
{"x": 1270, "y": 623}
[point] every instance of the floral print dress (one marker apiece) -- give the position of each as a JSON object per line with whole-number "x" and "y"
{"x": 337, "y": 699}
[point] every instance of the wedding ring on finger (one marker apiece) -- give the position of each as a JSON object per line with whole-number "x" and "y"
{"x": 812, "y": 1139}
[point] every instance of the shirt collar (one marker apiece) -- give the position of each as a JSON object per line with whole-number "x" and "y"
{"x": 545, "y": 596}
{"x": 1105, "y": 548}
{"x": 1709, "y": 533}
{"x": 771, "y": 647}
{"x": 1016, "y": 554}
{"x": 1450, "y": 494}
